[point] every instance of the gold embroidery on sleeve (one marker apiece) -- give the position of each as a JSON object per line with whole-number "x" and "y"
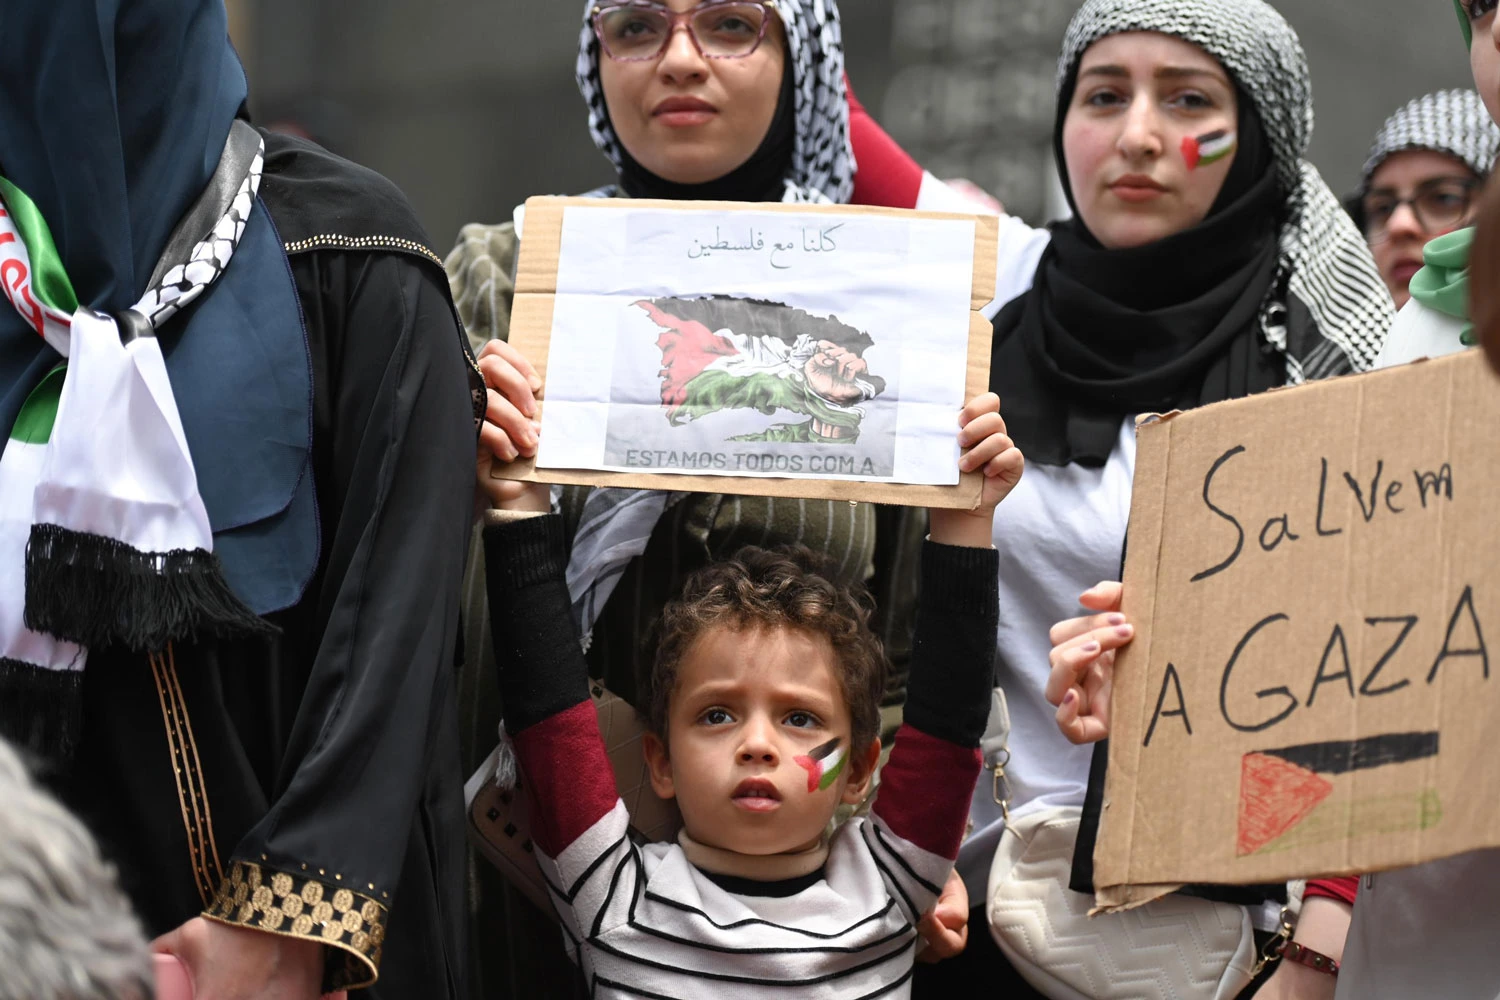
{"x": 281, "y": 903}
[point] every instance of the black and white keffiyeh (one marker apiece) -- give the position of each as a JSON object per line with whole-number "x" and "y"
{"x": 1324, "y": 262}
{"x": 616, "y": 524}
{"x": 1454, "y": 122}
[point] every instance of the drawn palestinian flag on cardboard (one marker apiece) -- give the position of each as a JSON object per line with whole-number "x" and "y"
{"x": 1206, "y": 149}
{"x": 824, "y": 764}
{"x": 724, "y": 353}
{"x": 1290, "y": 796}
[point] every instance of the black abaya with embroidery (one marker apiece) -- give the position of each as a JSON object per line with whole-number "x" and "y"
{"x": 309, "y": 784}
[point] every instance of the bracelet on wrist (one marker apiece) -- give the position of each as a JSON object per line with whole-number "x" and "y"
{"x": 1291, "y": 951}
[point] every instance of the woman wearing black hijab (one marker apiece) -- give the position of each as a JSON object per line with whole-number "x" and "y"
{"x": 1205, "y": 260}
{"x": 231, "y": 652}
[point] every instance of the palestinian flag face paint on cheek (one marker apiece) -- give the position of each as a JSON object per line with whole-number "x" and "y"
{"x": 1208, "y": 148}
{"x": 824, "y": 764}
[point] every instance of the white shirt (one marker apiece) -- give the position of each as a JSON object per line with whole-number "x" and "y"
{"x": 1420, "y": 332}
{"x": 643, "y": 921}
{"x": 1060, "y": 531}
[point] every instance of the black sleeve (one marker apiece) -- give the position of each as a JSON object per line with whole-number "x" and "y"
{"x": 393, "y": 451}
{"x": 537, "y": 648}
{"x": 953, "y": 652}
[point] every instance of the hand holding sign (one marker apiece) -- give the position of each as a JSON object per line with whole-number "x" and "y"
{"x": 1083, "y": 664}
{"x": 991, "y": 451}
{"x": 511, "y": 427}
{"x": 808, "y": 351}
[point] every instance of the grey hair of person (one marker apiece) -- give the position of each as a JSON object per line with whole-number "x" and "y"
{"x": 67, "y": 931}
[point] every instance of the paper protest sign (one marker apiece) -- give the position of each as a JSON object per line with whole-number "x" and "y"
{"x": 777, "y": 350}
{"x": 1315, "y": 577}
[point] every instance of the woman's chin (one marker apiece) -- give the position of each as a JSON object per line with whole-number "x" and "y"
{"x": 1127, "y": 232}
{"x": 684, "y": 160}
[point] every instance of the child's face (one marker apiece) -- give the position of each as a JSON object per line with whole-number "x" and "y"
{"x": 747, "y": 705}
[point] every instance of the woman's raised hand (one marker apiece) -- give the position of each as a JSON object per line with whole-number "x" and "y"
{"x": 1083, "y": 664}
{"x": 512, "y": 421}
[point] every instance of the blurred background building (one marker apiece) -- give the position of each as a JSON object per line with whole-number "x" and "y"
{"x": 470, "y": 105}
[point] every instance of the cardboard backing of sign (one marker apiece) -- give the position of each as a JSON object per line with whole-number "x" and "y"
{"x": 531, "y": 333}
{"x": 1315, "y": 578}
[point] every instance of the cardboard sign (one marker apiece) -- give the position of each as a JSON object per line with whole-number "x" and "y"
{"x": 805, "y": 351}
{"x": 1313, "y": 690}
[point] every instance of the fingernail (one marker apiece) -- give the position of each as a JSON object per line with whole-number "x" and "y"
{"x": 1091, "y": 647}
{"x": 1116, "y": 619}
{"x": 1069, "y": 698}
{"x": 1124, "y": 631}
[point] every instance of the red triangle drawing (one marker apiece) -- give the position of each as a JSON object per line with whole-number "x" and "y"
{"x": 1274, "y": 797}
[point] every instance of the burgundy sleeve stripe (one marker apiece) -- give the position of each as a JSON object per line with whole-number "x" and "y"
{"x": 568, "y": 778}
{"x": 925, "y": 789}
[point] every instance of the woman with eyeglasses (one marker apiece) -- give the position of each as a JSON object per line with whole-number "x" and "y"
{"x": 1422, "y": 180}
{"x": 725, "y": 100}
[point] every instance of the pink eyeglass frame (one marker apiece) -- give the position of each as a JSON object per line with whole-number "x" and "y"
{"x": 680, "y": 18}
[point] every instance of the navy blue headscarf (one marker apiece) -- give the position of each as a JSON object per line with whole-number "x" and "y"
{"x": 113, "y": 118}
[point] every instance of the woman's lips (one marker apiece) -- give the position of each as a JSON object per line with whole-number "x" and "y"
{"x": 684, "y": 112}
{"x": 1137, "y": 188}
{"x": 757, "y": 795}
{"x": 1403, "y": 272}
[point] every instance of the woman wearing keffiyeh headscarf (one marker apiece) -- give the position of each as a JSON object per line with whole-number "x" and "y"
{"x": 233, "y": 498}
{"x": 1422, "y": 180}
{"x": 1205, "y": 260}
{"x": 1436, "y": 321}
{"x": 686, "y": 119}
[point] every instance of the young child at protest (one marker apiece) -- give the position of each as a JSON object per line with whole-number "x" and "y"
{"x": 762, "y": 710}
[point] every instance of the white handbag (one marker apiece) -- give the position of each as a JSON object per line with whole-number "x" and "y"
{"x": 1175, "y": 948}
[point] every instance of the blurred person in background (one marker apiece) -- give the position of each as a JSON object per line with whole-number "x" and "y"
{"x": 1422, "y": 180}
{"x": 228, "y": 605}
{"x": 737, "y": 101}
{"x": 66, "y": 930}
{"x": 1436, "y": 320}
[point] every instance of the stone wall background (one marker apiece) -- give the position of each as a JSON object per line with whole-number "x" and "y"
{"x": 470, "y": 105}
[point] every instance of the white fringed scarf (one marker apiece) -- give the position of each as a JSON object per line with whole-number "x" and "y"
{"x": 104, "y": 537}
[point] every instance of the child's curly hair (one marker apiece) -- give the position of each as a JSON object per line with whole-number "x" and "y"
{"x": 787, "y": 587}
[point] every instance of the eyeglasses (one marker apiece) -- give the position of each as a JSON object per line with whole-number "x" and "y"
{"x": 1440, "y": 205}
{"x": 635, "y": 32}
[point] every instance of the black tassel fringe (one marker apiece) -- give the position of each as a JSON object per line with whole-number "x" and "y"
{"x": 98, "y": 592}
{"x": 41, "y": 710}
